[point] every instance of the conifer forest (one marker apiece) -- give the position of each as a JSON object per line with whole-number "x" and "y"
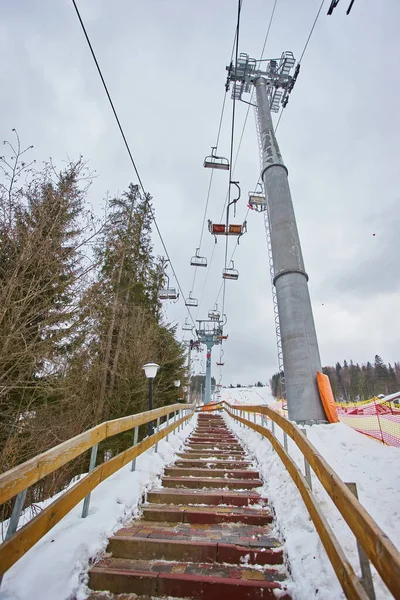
{"x": 79, "y": 311}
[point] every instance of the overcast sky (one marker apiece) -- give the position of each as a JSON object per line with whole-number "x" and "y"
{"x": 164, "y": 62}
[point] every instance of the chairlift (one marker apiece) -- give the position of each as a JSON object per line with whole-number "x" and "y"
{"x": 216, "y": 162}
{"x": 222, "y": 337}
{"x": 187, "y": 326}
{"x": 214, "y": 315}
{"x": 257, "y": 200}
{"x": 190, "y": 301}
{"x": 198, "y": 261}
{"x": 168, "y": 293}
{"x": 221, "y": 229}
{"x": 220, "y": 364}
{"x": 230, "y": 272}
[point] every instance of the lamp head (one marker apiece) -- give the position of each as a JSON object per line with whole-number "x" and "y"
{"x": 150, "y": 370}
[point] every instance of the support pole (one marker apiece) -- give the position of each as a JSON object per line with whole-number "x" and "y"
{"x": 151, "y": 424}
{"x": 207, "y": 397}
{"x": 135, "y": 439}
{"x": 300, "y": 351}
{"x": 189, "y": 373}
{"x": 92, "y": 464}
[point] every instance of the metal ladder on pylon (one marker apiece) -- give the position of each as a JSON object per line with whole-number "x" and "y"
{"x": 272, "y": 274}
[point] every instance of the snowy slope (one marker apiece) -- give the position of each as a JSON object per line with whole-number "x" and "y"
{"x": 56, "y": 567}
{"x": 254, "y": 395}
{"x": 355, "y": 458}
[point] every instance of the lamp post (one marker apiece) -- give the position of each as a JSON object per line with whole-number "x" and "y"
{"x": 150, "y": 370}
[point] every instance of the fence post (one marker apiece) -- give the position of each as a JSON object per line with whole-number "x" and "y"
{"x": 15, "y": 515}
{"x": 158, "y": 429}
{"x": 366, "y": 577}
{"x": 306, "y": 465}
{"x": 174, "y": 421}
{"x": 379, "y": 421}
{"x": 92, "y": 465}
{"x": 135, "y": 439}
{"x": 166, "y": 439}
{"x": 285, "y": 444}
{"x": 272, "y": 427}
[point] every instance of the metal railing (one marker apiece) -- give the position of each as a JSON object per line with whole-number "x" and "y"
{"x": 370, "y": 538}
{"x": 16, "y": 481}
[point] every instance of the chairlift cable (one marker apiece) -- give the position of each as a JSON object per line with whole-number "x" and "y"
{"x": 212, "y": 172}
{"x": 311, "y": 31}
{"x": 232, "y": 143}
{"x": 146, "y": 196}
{"x": 304, "y": 50}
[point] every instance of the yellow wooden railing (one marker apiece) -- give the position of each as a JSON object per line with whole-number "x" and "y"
{"x": 375, "y": 543}
{"x": 16, "y": 481}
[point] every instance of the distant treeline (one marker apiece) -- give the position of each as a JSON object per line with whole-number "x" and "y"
{"x": 352, "y": 381}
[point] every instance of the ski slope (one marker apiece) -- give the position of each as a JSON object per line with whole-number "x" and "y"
{"x": 246, "y": 395}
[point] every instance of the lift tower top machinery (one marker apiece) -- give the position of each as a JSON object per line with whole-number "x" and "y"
{"x": 300, "y": 351}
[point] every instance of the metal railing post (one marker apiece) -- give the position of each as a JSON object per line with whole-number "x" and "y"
{"x": 285, "y": 441}
{"x": 272, "y": 427}
{"x": 92, "y": 465}
{"x": 306, "y": 465}
{"x": 158, "y": 429}
{"x": 15, "y": 515}
{"x": 366, "y": 577}
{"x": 166, "y": 439}
{"x": 135, "y": 439}
{"x": 174, "y": 422}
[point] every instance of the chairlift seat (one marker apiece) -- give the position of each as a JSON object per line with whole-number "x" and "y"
{"x": 214, "y": 315}
{"x": 216, "y": 162}
{"x": 197, "y": 260}
{"x": 230, "y": 274}
{"x": 219, "y": 364}
{"x": 168, "y": 294}
{"x": 235, "y": 230}
{"x": 218, "y": 229}
{"x": 191, "y": 302}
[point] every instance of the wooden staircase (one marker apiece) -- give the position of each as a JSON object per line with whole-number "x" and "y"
{"x": 205, "y": 533}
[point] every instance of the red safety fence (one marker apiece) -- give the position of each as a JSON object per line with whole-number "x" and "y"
{"x": 377, "y": 418}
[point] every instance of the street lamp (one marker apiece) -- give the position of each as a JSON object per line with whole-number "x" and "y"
{"x": 150, "y": 370}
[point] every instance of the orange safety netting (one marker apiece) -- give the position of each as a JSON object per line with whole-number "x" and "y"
{"x": 377, "y": 417}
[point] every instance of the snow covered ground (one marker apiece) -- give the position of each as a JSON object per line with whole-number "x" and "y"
{"x": 56, "y": 567}
{"x": 355, "y": 458}
{"x": 254, "y": 395}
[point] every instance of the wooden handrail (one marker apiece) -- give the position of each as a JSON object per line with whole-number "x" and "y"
{"x": 31, "y": 471}
{"x": 375, "y": 543}
{"x": 348, "y": 579}
{"x": 27, "y": 536}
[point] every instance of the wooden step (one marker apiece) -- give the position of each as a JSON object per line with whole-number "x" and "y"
{"x": 179, "y": 496}
{"x": 210, "y": 482}
{"x": 183, "y": 579}
{"x": 206, "y": 514}
{"x": 222, "y": 473}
